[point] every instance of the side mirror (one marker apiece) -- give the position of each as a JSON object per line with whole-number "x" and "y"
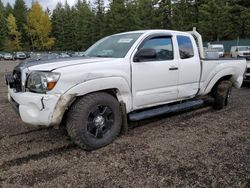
{"x": 145, "y": 54}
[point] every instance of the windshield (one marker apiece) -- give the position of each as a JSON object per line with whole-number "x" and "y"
{"x": 116, "y": 46}
{"x": 244, "y": 48}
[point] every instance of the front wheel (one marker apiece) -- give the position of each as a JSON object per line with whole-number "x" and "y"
{"x": 94, "y": 120}
{"x": 222, "y": 94}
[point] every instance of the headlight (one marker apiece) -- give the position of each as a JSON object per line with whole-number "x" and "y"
{"x": 41, "y": 82}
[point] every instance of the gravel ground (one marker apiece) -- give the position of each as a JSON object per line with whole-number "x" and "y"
{"x": 199, "y": 148}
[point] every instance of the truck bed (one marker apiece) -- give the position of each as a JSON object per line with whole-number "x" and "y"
{"x": 213, "y": 68}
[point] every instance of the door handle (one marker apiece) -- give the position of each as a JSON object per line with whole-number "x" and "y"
{"x": 173, "y": 68}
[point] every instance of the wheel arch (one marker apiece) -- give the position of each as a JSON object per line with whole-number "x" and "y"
{"x": 117, "y": 95}
{"x": 226, "y": 77}
{"x": 115, "y": 86}
{"x": 225, "y": 74}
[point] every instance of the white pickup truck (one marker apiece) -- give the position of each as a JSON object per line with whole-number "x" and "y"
{"x": 133, "y": 75}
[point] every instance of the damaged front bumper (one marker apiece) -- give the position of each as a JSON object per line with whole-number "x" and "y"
{"x": 40, "y": 109}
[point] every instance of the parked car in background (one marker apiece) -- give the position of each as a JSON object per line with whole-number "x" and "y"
{"x": 64, "y": 55}
{"x": 78, "y": 54}
{"x": 240, "y": 51}
{"x": 81, "y": 54}
{"x": 43, "y": 56}
{"x": 27, "y": 54}
{"x": 211, "y": 53}
{"x": 1, "y": 55}
{"x": 218, "y": 47}
{"x": 8, "y": 56}
{"x": 19, "y": 55}
{"x": 74, "y": 54}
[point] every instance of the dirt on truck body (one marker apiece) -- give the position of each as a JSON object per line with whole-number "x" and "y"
{"x": 198, "y": 148}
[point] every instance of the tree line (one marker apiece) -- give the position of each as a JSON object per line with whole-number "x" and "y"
{"x": 77, "y": 27}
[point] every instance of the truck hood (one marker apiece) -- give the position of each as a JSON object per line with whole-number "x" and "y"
{"x": 53, "y": 64}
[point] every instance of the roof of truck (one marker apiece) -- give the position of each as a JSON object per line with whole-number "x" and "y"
{"x": 153, "y": 31}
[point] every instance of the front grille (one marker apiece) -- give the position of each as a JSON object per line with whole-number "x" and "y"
{"x": 17, "y": 75}
{"x": 246, "y": 53}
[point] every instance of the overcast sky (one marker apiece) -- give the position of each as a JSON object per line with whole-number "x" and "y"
{"x": 46, "y": 3}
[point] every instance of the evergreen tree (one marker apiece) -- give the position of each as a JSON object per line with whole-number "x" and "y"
{"x": 165, "y": 14}
{"x": 8, "y": 10}
{"x": 20, "y": 13}
{"x": 3, "y": 26}
{"x": 116, "y": 17}
{"x": 64, "y": 26}
{"x": 239, "y": 22}
{"x": 83, "y": 25}
{"x": 99, "y": 20}
{"x": 13, "y": 43}
{"x": 213, "y": 20}
{"x": 39, "y": 28}
{"x": 70, "y": 27}
{"x": 146, "y": 14}
{"x": 133, "y": 20}
{"x": 184, "y": 15}
{"x": 216, "y": 20}
{"x": 245, "y": 3}
{"x": 58, "y": 19}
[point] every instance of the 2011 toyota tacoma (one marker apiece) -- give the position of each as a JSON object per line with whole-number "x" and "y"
{"x": 133, "y": 75}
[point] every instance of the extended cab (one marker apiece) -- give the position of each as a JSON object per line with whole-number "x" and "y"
{"x": 133, "y": 75}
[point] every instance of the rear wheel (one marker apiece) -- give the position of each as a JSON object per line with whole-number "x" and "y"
{"x": 94, "y": 121}
{"x": 222, "y": 94}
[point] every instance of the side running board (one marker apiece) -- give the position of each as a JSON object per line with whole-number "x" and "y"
{"x": 166, "y": 109}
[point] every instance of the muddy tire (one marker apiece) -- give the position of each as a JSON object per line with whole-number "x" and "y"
{"x": 94, "y": 120}
{"x": 222, "y": 94}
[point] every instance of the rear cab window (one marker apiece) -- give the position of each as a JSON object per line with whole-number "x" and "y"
{"x": 186, "y": 49}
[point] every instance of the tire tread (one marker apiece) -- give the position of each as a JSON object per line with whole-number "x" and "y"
{"x": 75, "y": 115}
